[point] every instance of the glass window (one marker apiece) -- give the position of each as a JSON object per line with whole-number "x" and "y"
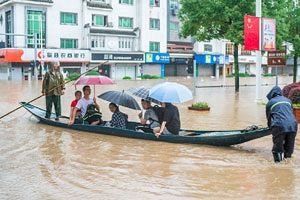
{"x": 154, "y": 24}
{"x": 208, "y": 47}
{"x": 126, "y": 2}
{"x": 125, "y": 43}
{"x": 125, "y": 22}
{"x": 98, "y": 42}
{"x": 174, "y": 4}
{"x": 229, "y": 49}
{"x": 99, "y": 20}
{"x": 174, "y": 26}
{"x": 68, "y": 43}
{"x": 67, "y": 18}
{"x": 154, "y": 46}
{"x": 9, "y": 28}
{"x": 154, "y": 3}
{"x": 36, "y": 25}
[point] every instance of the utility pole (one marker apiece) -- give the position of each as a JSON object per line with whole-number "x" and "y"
{"x": 258, "y": 54}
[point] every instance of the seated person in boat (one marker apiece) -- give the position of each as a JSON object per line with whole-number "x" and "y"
{"x": 118, "y": 119}
{"x": 171, "y": 121}
{"x": 78, "y": 95}
{"x": 89, "y": 109}
{"x": 150, "y": 117}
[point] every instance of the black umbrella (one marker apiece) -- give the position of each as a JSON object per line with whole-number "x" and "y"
{"x": 120, "y": 98}
{"x": 143, "y": 93}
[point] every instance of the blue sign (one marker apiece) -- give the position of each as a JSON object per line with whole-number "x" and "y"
{"x": 211, "y": 59}
{"x": 158, "y": 58}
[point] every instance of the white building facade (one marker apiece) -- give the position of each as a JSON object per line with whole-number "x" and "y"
{"x": 82, "y": 34}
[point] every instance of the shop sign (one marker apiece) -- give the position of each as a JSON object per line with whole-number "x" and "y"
{"x": 117, "y": 57}
{"x": 207, "y": 59}
{"x": 160, "y": 58}
{"x": 277, "y": 58}
{"x": 63, "y": 55}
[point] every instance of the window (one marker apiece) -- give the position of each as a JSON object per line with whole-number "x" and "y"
{"x": 99, "y": 20}
{"x": 67, "y": 18}
{"x": 154, "y": 3}
{"x": 173, "y": 4}
{"x": 229, "y": 49}
{"x": 126, "y": 2}
{"x": 68, "y": 43}
{"x": 174, "y": 26}
{"x": 208, "y": 47}
{"x": 36, "y": 25}
{"x": 154, "y": 46}
{"x": 9, "y": 28}
{"x": 125, "y": 22}
{"x": 154, "y": 24}
{"x": 98, "y": 42}
{"x": 125, "y": 43}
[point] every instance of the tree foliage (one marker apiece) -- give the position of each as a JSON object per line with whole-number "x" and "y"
{"x": 218, "y": 19}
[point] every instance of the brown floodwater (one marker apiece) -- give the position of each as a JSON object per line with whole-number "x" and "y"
{"x": 43, "y": 162}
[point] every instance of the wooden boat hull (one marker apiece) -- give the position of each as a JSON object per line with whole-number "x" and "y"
{"x": 215, "y": 138}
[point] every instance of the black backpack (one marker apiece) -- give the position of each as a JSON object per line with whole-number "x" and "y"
{"x": 92, "y": 111}
{"x": 159, "y": 111}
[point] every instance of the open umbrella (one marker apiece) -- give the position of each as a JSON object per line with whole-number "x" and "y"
{"x": 168, "y": 92}
{"x": 93, "y": 80}
{"x": 120, "y": 98}
{"x": 143, "y": 93}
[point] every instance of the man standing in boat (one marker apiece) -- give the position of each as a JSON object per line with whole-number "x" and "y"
{"x": 171, "y": 121}
{"x": 282, "y": 123}
{"x": 53, "y": 86}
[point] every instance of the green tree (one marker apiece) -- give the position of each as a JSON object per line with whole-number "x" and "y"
{"x": 218, "y": 19}
{"x": 294, "y": 34}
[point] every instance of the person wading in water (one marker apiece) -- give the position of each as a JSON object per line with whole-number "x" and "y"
{"x": 53, "y": 86}
{"x": 282, "y": 123}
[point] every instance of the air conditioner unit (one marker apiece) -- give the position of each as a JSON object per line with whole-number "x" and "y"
{"x": 110, "y": 24}
{"x": 174, "y": 12}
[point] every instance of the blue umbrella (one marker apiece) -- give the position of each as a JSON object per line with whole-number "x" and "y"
{"x": 120, "y": 98}
{"x": 170, "y": 93}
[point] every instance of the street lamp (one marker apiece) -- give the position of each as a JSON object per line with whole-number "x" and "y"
{"x": 258, "y": 55}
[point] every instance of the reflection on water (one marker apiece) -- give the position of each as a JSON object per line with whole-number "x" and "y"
{"x": 42, "y": 162}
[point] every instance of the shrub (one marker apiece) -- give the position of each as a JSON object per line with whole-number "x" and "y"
{"x": 200, "y": 105}
{"x": 268, "y": 75}
{"x": 73, "y": 76}
{"x": 296, "y": 105}
{"x": 286, "y": 89}
{"x": 126, "y": 78}
{"x": 294, "y": 95}
{"x": 92, "y": 73}
{"x": 147, "y": 76}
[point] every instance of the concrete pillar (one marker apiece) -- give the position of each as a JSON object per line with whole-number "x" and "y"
{"x": 217, "y": 72}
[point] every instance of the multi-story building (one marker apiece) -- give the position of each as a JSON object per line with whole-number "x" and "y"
{"x": 81, "y": 34}
{"x": 180, "y": 49}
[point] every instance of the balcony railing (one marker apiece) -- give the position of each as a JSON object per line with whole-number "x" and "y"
{"x": 99, "y": 4}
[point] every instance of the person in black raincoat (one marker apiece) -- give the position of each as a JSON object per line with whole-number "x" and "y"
{"x": 282, "y": 123}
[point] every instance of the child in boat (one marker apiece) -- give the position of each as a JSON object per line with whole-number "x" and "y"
{"x": 78, "y": 96}
{"x": 118, "y": 119}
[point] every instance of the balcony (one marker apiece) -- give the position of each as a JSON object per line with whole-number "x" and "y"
{"x": 101, "y": 4}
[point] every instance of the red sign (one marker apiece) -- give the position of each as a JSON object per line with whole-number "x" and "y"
{"x": 251, "y": 32}
{"x": 276, "y": 58}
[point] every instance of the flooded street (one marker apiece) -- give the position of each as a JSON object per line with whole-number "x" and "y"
{"x": 43, "y": 162}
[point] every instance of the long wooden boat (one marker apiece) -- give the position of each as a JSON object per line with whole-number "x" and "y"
{"x": 215, "y": 138}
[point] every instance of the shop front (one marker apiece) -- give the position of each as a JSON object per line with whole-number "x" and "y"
{"x": 209, "y": 64}
{"x": 180, "y": 65}
{"x": 18, "y": 64}
{"x": 120, "y": 65}
{"x": 155, "y": 64}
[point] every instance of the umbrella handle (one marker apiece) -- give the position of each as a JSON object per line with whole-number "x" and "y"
{"x": 94, "y": 91}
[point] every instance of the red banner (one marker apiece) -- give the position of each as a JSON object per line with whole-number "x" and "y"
{"x": 251, "y": 32}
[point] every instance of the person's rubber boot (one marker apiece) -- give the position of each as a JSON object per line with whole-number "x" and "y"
{"x": 278, "y": 157}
